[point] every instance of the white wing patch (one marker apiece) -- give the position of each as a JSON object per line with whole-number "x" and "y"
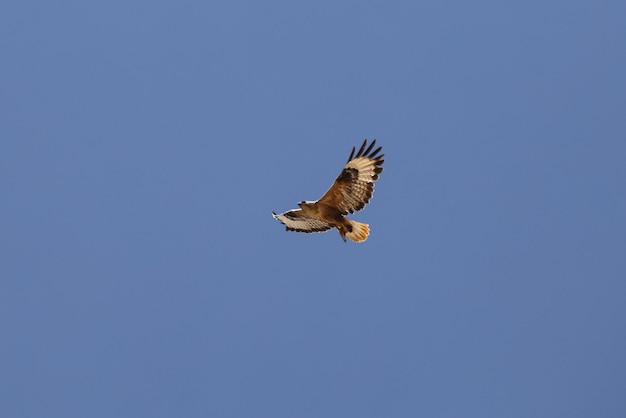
{"x": 295, "y": 220}
{"x": 366, "y": 168}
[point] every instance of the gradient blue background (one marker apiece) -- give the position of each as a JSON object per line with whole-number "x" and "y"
{"x": 143, "y": 146}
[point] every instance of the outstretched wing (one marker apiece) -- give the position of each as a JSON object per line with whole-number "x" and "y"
{"x": 354, "y": 187}
{"x": 295, "y": 220}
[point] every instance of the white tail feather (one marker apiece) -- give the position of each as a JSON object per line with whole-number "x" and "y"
{"x": 360, "y": 231}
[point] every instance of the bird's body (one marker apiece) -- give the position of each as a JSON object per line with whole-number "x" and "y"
{"x": 335, "y": 219}
{"x": 350, "y": 192}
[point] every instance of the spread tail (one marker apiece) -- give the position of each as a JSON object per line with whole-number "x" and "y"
{"x": 360, "y": 231}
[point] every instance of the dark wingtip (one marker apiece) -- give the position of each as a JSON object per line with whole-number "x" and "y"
{"x": 360, "y": 153}
{"x": 351, "y": 154}
{"x": 367, "y": 151}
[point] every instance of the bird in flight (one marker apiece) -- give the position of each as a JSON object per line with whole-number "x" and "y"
{"x": 350, "y": 192}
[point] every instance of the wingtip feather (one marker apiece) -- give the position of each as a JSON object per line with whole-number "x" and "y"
{"x": 360, "y": 153}
{"x": 351, "y": 154}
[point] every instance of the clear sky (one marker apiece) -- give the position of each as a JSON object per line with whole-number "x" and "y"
{"x": 144, "y": 144}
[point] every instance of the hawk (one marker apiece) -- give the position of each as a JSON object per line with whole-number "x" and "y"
{"x": 350, "y": 192}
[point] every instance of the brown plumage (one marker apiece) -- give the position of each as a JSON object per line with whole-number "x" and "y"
{"x": 350, "y": 192}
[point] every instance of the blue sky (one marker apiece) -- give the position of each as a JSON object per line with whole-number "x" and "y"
{"x": 143, "y": 146}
